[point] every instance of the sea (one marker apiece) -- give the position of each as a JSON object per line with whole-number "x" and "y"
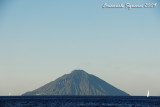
{"x": 79, "y": 101}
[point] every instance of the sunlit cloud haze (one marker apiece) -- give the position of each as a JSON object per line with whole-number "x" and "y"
{"x": 41, "y": 40}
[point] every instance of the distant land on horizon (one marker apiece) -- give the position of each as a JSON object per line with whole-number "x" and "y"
{"x": 78, "y": 82}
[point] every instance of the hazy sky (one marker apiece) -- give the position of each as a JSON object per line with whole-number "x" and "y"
{"x": 41, "y": 40}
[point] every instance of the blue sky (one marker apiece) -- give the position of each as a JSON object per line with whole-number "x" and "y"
{"x": 41, "y": 40}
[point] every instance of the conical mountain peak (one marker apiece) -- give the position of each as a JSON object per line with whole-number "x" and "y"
{"x": 78, "y": 82}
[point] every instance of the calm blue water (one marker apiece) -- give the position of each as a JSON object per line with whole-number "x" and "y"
{"x": 78, "y": 101}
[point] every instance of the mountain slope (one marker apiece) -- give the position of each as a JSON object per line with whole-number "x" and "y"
{"x": 78, "y": 82}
